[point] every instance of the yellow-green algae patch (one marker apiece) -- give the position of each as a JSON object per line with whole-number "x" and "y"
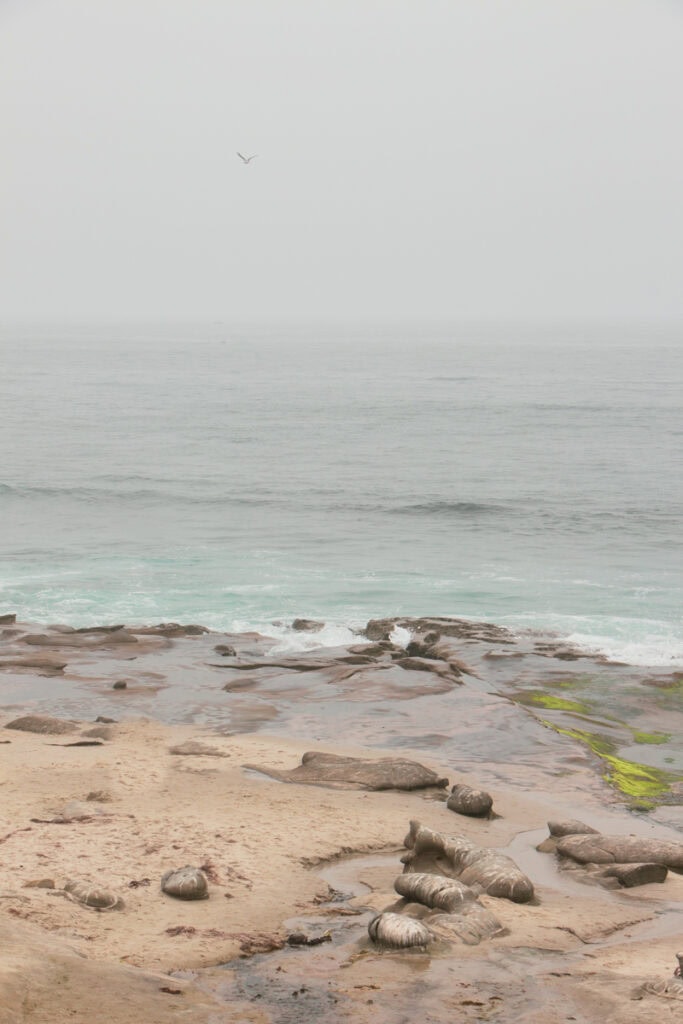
{"x": 643, "y": 785}
{"x": 550, "y": 703}
{"x": 651, "y": 737}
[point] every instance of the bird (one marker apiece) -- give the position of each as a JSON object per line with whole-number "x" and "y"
{"x": 247, "y": 159}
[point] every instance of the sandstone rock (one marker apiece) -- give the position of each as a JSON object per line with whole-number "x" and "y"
{"x": 99, "y": 732}
{"x": 601, "y": 849}
{"x": 476, "y": 803}
{"x": 168, "y": 629}
{"x": 187, "y": 883}
{"x": 42, "y": 724}
{"x": 397, "y": 931}
{"x": 420, "y": 646}
{"x": 379, "y": 629}
{"x": 457, "y": 857}
{"x": 472, "y": 924}
{"x": 194, "y": 748}
{"x": 79, "y": 639}
{"x": 44, "y": 665}
{"x": 225, "y": 650}
{"x": 8, "y": 620}
{"x": 90, "y": 894}
{"x": 307, "y": 625}
{"x": 570, "y": 827}
{"x": 631, "y": 875}
{"x": 99, "y": 629}
{"x": 559, "y": 829}
{"x": 318, "y": 768}
{"x": 434, "y": 891}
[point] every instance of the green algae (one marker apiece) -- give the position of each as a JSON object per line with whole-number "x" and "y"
{"x": 551, "y": 703}
{"x": 650, "y": 737}
{"x": 572, "y": 683}
{"x": 643, "y": 785}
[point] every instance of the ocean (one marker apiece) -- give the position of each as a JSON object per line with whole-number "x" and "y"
{"x": 240, "y": 476}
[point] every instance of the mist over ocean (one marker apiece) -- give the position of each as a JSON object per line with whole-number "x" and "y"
{"x": 241, "y": 476}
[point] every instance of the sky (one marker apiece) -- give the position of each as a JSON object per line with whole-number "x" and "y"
{"x": 441, "y": 159}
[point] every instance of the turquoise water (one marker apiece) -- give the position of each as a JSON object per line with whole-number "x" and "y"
{"x": 241, "y": 475}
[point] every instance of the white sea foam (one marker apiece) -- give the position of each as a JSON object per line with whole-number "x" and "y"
{"x": 373, "y": 484}
{"x": 656, "y": 651}
{"x": 290, "y": 641}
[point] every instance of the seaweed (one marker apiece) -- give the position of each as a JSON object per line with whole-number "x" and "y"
{"x": 650, "y": 737}
{"x": 642, "y": 784}
{"x": 551, "y": 703}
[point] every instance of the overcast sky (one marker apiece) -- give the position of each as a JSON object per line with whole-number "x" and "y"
{"x": 421, "y": 158}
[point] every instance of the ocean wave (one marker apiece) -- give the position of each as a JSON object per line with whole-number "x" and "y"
{"x": 655, "y": 651}
{"x": 448, "y": 508}
{"x": 93, "y": 495}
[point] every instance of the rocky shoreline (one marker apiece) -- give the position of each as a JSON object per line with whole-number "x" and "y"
{"x": 132, "y": 753}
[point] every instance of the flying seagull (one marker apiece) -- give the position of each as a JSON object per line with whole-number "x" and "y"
{"x": 247, "y": 159}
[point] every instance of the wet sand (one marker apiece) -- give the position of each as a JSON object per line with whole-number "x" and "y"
{"x": 287, "y": 858}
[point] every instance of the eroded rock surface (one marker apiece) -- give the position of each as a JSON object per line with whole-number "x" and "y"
{"x": 321, "y": 769}
{"x": 42, "y": 724}
{"x": 457, "y": 857}
{"x": 600, "y": 849}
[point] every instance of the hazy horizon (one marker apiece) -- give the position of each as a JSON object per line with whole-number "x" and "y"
{"x": 452, "y": 163}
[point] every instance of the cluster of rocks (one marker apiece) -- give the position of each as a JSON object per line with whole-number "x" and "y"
{"x": 186, "y": 883}
{"x": 611, "y": 861}
{"x": 442, "y": 880}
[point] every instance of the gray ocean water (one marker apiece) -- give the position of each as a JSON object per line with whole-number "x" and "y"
{"x": 238, "y": 476}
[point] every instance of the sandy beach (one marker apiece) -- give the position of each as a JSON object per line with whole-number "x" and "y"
{"x": 115, "y": 804}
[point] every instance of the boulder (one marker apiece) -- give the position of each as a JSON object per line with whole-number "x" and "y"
{"x": 476, "y": 803}
{"x": 90, "y": 894}
{"x": 187, "y": 883}
{"x": 307, "y": 626}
